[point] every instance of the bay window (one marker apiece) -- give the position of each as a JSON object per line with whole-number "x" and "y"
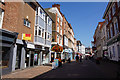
{"x": 36, "y": 31}
{"x": 39, "y": 31}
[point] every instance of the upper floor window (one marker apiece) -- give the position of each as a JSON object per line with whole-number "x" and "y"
{"x": 49, "y": 21}
{"x": 61, "y": 23}
{"x": 57, "y": 28}
{"x": 36, "y": 30}
{"x": 64, "y": 31}
{"x": 58, "y": 38}
{"x": 108, "y": 34}
{"x": 61, "y": 31}
{"x": 43, "y": 33}
{"x": 48, "y": 36}
{"x": 40, "y": 11}
{"x": 111, "y": 30}
{"x": 116, "y": 29}
{"x": 109, "y": 15}
{"x": 39, "y": 31}
{"x": 58, "y": 19}
{"x": 106, "y": 20}
{"x": 1, "y": 17}
{"x": 26, "y": 23}
{"x": 44, "y": 16}
{"x": 113, "y": 9}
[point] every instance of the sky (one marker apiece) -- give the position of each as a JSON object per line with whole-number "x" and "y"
{"x": 83, "y": 16}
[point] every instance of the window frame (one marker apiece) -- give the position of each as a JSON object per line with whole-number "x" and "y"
{"x": 27, "y": 23}
{"x": 113, "y": 9}
{"x": 40, "y": 32}
{"x": 116, "y": 29}
{"x": 111, "y": 30}
{"x": 2, "y": 17}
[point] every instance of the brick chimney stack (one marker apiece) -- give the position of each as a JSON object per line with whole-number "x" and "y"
{"x": 56, "y": 5}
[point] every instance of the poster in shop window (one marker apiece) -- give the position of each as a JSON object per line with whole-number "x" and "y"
{"x": 35, "y": 57}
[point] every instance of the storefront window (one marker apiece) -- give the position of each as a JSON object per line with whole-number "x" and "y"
{"x": 35, "y": 59}
{"x": 5, "y": 57}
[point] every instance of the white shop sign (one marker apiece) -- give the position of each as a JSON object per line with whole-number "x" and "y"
{"x": 30, "y": 46}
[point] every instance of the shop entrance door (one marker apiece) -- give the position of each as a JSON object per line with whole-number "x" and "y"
{"x": 35, "y": 59}
{"x": 32, "y": 59}
{"x": 18, "y": 57}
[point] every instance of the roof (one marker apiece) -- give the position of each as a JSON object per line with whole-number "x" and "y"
{"x": 101, "y": 24}
{"x": 107, "y": 8}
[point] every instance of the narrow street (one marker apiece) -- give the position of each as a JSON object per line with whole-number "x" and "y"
{"x": 86, "y": 69}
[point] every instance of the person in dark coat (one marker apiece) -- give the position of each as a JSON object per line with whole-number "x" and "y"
{"x": 80, "y": 58}
{"x": 77, "y": 58}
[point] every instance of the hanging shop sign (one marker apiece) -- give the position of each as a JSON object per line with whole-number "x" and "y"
{"x": 57, "y": 48}
{"x": 26, "y": 36}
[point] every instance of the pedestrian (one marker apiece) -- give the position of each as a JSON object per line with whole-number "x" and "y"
{"x": 80, "y": 58}
{"x": 69, "y": 60}
{"x": 77, "y": 58}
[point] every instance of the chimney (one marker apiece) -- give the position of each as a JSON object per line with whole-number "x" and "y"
{"x": 56, "y": 5}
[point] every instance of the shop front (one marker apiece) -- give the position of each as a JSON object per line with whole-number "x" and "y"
{"x": 46, "y": 56}
{"x": 114, "y": 48}
{"x": 7, "y": 44}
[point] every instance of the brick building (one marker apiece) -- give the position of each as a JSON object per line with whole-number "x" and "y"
{"x": 57, "y": 33}
{"x": 112, "y": 20}
{"x": 18, "y": 22}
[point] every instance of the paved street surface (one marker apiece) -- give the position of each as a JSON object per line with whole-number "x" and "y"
{"x": 28, "y": 73}
{"x": 85, "y": 69}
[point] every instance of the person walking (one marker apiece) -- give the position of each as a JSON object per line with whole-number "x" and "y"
{"x": 77, "y": 58}
{"x": 80, "y": 58}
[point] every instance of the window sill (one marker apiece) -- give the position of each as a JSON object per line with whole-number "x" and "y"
{"x": 27, "y": 27}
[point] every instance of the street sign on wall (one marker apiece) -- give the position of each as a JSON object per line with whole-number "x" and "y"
{"x": 26, "y": 36}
